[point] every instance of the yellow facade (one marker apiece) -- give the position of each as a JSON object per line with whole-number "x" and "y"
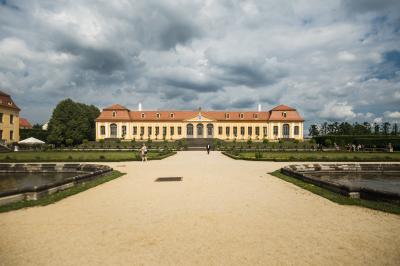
{"x": 9, "y": 125}
{"x": 201, "y": 129}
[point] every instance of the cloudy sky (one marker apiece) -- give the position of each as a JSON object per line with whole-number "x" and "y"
{"x": 330, "y": 59}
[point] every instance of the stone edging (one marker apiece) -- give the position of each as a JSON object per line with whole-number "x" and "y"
{"x": 85, "y": 172}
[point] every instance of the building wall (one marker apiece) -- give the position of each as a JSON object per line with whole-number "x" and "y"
{"x": 216, "y": 124}
{"x": 6, "y": 127}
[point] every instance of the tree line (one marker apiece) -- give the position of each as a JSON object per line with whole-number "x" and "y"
{"x": 345, "y": 128}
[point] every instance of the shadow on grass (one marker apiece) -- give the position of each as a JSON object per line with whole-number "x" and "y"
{"x": 62, "y": 194}
{"x": 338, "y": 198}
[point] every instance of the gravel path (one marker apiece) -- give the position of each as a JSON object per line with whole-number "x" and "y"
{"x": 224, "y": 212}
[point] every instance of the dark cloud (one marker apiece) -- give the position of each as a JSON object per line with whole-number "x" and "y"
{"x": 219, "y": 55}
{"x": 244, "y": 103}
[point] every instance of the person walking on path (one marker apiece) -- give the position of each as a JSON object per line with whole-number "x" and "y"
{"x": 208, "y": 148}
{"x": 143, "y": 152}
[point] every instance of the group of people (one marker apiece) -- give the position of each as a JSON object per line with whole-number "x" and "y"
{"x": 143, "y": 151}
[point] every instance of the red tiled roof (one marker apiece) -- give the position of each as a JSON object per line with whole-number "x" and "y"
{"x": 123, "y": 114}
{"x": 24, "y": 123}
{"x": 283, "y": 107}
{"x": 116, "y": 107}
{"x": 6, "y": 101}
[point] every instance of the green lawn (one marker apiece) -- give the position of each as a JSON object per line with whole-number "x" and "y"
{"x": 338, "y": 198}
{"x": 316, "y": 156}
{"x": 79, "y": 156}
{"x": 62, "y": 194}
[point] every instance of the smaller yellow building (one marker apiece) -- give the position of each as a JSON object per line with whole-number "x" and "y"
{"x": 9, "y": 119}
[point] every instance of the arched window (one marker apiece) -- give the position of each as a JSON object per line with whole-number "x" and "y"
{"x": 285, "y": 130}
{"x": 210, "y": 130}
{"x": 189, "y": 130}
{"x": 113, "y": 130}
{"x": 200, "y": 130}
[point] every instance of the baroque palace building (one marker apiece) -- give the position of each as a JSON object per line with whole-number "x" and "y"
{"x": 9, "y": 119}
{"x": 118, "y": 122}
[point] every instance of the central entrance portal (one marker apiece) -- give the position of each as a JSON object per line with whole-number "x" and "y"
{"x": 200, "y": 130}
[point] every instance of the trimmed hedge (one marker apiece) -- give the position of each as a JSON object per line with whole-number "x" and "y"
{"x": 369, "y": 141}
{"x": 33, "y": 132}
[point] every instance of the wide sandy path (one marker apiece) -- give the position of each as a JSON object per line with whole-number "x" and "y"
{"x": 224, "y": 212}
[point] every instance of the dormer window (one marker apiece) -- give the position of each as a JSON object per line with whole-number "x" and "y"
{"x": 142, "y": 115}
{"x": 114, "y": 114}
{"x": 226, "y": 116}
{"x": 9, "y": 103}
{"x": 241, "y": 115}
{"x": 284, "y": 114}
{"x": 255, "y": 116}
{"x": 171, "y": 115}
{"x": 158, "y": 115}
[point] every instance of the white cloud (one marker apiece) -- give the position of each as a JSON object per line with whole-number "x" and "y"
{"x": 392, "y": 115}
{"x": 337, "y": 111}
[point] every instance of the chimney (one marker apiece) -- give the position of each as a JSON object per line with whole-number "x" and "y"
{"x": 140, "y": 107}
{"x": 259, "y": 108}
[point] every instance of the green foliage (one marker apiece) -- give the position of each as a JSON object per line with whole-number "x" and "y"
{"x": 265, "y": 141}
{"x": 69, "y": 142}
{"x": 249, "y": 142}
{"x": 71, "y": 120}
{"x": 328, "y": 142}
{"x": 37, "y": 133}
{"x": 368, "y": 141}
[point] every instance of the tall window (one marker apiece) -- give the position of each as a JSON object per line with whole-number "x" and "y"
{"x": 102, "y": 130}
{"x": 276, "y": 130}
{"x": 296, "y": 130}
{"x": 235, "y": 131}
{"x": 265, "y": 130}
{"x": 123, "y": 131}
{"x": 1, "y": 134}
{"x": 11, "y": 135}
{"x": 228, "y": 131}
{"x": 164, "y": 131}
{"x": 250, "y": 131}
{"x": 189, "y": 130}
{"x": 172, "y": 130}
{"x": 113, "y": 130}
{"x": 149, "y": 131}
{"x": 135, "y": 130}
{"x": 286, "y": 130}
{"x": 242, "y": 131}
{"x": 157, "y": 131}
{"x": 1, "y": 117}
{"x": 141, "y": 131}
{"x": 11, "y": 119}
{"x": 257, "y": 131}
{"x": 179, "y": 130}
{"x": 220, "y": 130}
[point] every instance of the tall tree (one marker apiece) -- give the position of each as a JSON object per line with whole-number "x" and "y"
{"x": 70, "y": 120}
{"x": 386, "y": 128}
{"x": 313, "y": 131}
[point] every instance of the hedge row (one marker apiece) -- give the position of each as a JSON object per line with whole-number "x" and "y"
{"x": 367, "y": 141}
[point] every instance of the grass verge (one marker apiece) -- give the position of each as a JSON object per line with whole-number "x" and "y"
{"x": 79, "y": 156}
{"x": 62, "y": 194}
{"x": 338, "y": 198}
{"x": 299, "y": 156}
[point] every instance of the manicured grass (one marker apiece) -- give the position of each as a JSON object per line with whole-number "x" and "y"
{"x": 293, "y": 156}
{"x": 79, "y": 156}
{"x": 62, "y": 194}
{"x": 338, "y": 198}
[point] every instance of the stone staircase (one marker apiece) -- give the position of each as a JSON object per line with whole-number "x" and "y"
{"x": 198, "y": 144}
